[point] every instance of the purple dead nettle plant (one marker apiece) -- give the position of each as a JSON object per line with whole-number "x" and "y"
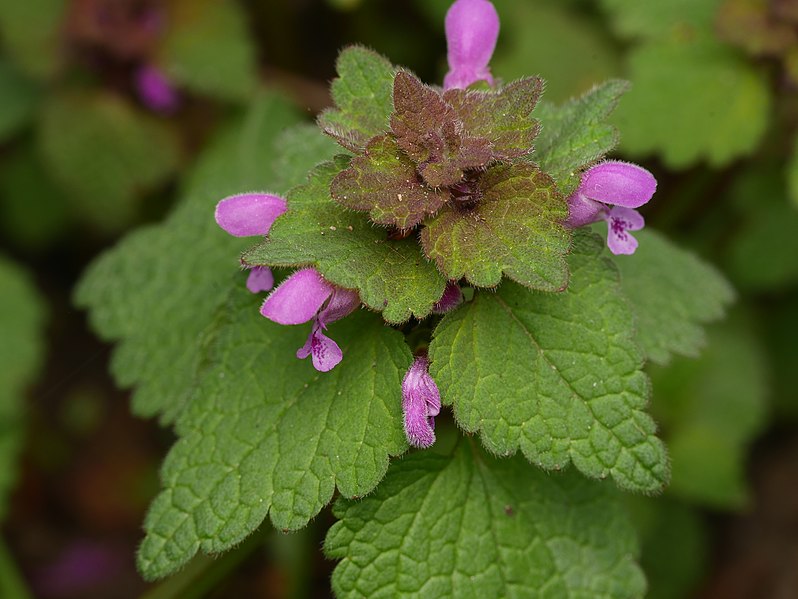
{"x": 155, "y": 90}
{"x": 421, "y": 402}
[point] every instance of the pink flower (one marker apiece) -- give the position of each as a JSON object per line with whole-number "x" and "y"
{"x": 452, "y": 297}
{"x": 305, "y": 296}
{"x": 472, "y": 28}
{"x": 610, "y": 191}
{"x": 155, "y": 90}
{"x": 246, "y": 215}
{"x": 421, "y": 402}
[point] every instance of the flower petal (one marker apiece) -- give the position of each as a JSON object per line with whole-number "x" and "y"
{"x": 619, "y": 222}
{"x": 324, "y": 352}
{"x": 248, "y": 214}
{"x": 582, "y": 210}
{"x": 618, "y": 183}
{"x": 452, "y": 297}
{"x": 260, "y": 279}
{"x": 155, "y": 90}
{"x": 342, "y": 303}
{"x": 298, "y": 298}
{"x": 472, "y": 28}
{"x": 421, "y": 402}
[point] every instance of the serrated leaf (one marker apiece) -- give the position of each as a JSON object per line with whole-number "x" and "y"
{"x": 105, "y": 154}
{"x": 514, "y": 228}
{"x": 156, "y": 297}
{"x": 265, "y": 433}
{"x": 711, "y": 410}
{"x": 502, "y": 116}
{"x": 383, "y": 181}
{"x": 208, "y": 49}
{"x": 21, "y": 351}
{"x": 31, "y": 34}
{"x": 673, "y": 294}
{"x": 363, "y": 97}
{"x": 557, "y": 376}
{"x": 693, "y": 101}
{"x": 576, "y": 134}
{"x": 468, "y": 525}
{"x": 391, "y": 276}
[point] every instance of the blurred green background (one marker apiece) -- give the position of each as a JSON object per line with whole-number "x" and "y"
{"x": 90, "y": 148}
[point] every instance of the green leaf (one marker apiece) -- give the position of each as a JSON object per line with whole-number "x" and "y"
{"x": 792, "y": 174}
{"x": 674, "y": 543}
{"x": 557, "y": 376}
{"x": 663, "y": 20}
{"x": 363, "y": 97}
{"x": 31, "y": 33}
{"x": 576, "y": 134}
{"x": 674, "y": 294}
{"x": 391, "y": 276}
{"x": 208, "y": 49}
{"x": 468, "y": 525}
{"x": 18, "y": 98}
{"x": 693, "y": 101}
{"x": 21, "y": 352}
{"x": 156, "y": 297}
{"x": 514, "y": 229}
{"x": 383, "y": 181}
{"x": 567, "y": 47}
{"x": 711, "y": 410}
{"x": 265, "y": 433}
{"x": 105, "y": 154}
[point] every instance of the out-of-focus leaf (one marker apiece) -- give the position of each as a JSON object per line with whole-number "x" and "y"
{"x": 18, "y": 98}
{"x": 674, "y": 294}
{"x": 555, "y": 41}
{"x": 469, "y": 525}
{"x": 792, "y": 174}
{"x": 33, "y": 209}
{"x": 105, "y": 155}
{"x": 662, "y": 19}
{"x": 31, "y": 30}
{"x": 763, "y": 253}
{"x": 674, "y": 545}
{"x": 690, "y": 102}
{"x": 711, "y": 409}
{"x": 208, "y": 49}
{"x": 21, "y": 322}
{"x": 781, "y": 329}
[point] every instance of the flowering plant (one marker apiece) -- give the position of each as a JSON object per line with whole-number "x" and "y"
{"x": 440, "y": 243}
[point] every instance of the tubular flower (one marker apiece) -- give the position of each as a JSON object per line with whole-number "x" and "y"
{"x": 421, "y": 402}
{"x": 452, "y": 297}
{"x": 306, "y": 296}
{"x": 611, "y": 191}
{"x": 155, "y": 90}
{"x": 472, "y": 28}
{"x": 246, "y": 215}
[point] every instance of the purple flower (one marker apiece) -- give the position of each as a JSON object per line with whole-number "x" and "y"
{"x": 452, "y": 297}
{"x": 305, "y": 296}
{"x": 155, "y": 90}
{"x": 610, "y": 191}
{"x": 248, "y": 214}
{"x": 472, "y": 28}
{"x": 421, "y": 402}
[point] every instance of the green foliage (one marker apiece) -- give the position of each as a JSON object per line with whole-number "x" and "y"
{"x": 569, "y": 50}
{"x": 674, "y": 546}
{"x": 160, "y": 288}
{"x": 469, "y": 525}
{"x": 792, "y": 174}
{"x": 267, "y": 434}
{"x": 515, "y": 229}
{"x": 562, "y": 382}
{"x": 208, "y": 49}
{"x": 692, "y": 101}
{"x": 363, "y": 96}
{"x": 576, "y": 134}
{"x": 711, "y": 409}
{"x": 31, "y": 32}
{"x": 18, "y": 98}
{"x": 391, "y": 276}
{"x": 104, "y": 154}
{"x": 669, "y": 19}
{"x": 673, "y": 294}
{"x": 21, "y": 323}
